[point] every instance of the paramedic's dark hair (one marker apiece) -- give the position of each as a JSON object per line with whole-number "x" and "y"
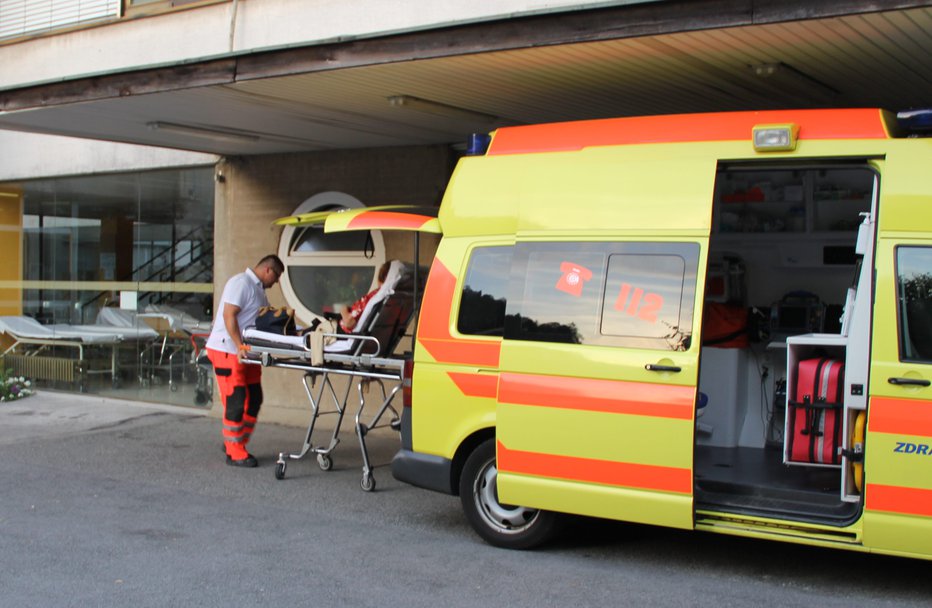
{"x": 273, "y": 262}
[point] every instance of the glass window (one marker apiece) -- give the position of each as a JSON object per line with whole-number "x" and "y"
{"x": 321, "y": 288}
{"x": 128, "y": 254}
{"x": 326, "y": 269}
{"x": 23, "y": 18}
{"x": 312, "y": 239}
{"x": 637, "y": 295}
{"x": 914, "y": 293}
{"x": 643, "y": 295}
{"x": 482, "y": 304}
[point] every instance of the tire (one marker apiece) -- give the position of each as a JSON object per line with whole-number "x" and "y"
{"x": 500, "y": 525}
{"x": 325, "y": 462}
{"x": 280, "y": 471}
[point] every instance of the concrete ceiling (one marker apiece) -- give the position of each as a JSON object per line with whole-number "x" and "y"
{"x": 858, "y": 60}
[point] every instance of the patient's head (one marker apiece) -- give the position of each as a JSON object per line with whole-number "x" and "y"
{"x": 383, "y": 271}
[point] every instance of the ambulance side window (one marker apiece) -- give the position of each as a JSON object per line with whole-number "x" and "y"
{"x": 631, "y": 294}
{"x": 482, "y": 302}
{"x": 914, "y": 298}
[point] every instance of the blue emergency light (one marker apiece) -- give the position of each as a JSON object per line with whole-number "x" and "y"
{"x": 916, "y": 121}
{"x": 478, "y": 144}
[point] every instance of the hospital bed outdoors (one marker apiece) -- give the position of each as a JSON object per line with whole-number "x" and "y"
{"x": 177, "y": 349}
{"x": 362, "y": 358}
{"x": 62, "y": 352}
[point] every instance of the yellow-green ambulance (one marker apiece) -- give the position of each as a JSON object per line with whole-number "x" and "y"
{"x": 719, "y": 322}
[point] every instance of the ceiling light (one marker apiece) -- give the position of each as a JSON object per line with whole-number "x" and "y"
{"x": 791, "y": 80}
{"x": 436, "y": 108}
{"x": 211, "y": 133}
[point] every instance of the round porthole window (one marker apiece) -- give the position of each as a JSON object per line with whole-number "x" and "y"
{"x": 323, "y": 270}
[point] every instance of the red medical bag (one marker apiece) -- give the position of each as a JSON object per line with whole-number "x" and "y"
{"x": 815, "y": 414}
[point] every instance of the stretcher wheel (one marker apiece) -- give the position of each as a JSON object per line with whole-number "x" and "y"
{"x": 501, "y": 525}
{"x": 368, "y": 482}
{"x": 325, "y": 462}
{"x": 280, "y": 471}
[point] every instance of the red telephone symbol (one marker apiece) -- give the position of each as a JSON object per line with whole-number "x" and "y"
{"x": 574, "y": 276}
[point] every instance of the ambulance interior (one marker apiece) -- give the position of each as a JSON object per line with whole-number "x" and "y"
{"x": 783, "y": 280}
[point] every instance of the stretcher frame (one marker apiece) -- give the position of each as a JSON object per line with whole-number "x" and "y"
{"x": 35, "y": 347}
{"x": 361, "y": 369}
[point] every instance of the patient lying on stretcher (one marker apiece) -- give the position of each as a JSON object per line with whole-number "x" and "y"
{"x": 327, "y": 337}
{"x": 350, "y": 315}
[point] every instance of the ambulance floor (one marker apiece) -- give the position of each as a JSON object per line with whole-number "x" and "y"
{"x": 755, "y": 481}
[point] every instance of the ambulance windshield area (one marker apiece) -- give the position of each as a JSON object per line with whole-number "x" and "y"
{"x": 782, "y": 258}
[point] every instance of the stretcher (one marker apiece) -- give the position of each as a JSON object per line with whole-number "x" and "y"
{"x": 175, "y": 351}
{"x": 364, "y": 359}
{"x": 31, "y": 341}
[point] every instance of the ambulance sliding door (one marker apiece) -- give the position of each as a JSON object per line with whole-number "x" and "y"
{"x": 598, "y": 380}
{"x": 599, "y": 360}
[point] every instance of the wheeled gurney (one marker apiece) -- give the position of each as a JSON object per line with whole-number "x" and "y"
{"x": 362, "y": 358}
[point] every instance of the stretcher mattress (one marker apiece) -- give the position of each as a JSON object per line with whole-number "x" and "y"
{"x": 254, "y": 337}
{"x": 299, "y": 344}
{"x": 25, "y": 329}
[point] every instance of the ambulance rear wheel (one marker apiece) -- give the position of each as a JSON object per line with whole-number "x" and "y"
{"x": 507, "y": 526}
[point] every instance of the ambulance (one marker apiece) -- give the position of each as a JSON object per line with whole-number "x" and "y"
{"x": 719, "y": 322}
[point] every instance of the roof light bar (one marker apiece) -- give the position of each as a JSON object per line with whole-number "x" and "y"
{"x": 916, "y": 121}
{"x": 478, "y": 144}
{"x": 775, "y": 138}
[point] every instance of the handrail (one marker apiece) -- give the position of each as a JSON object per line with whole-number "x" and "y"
{"x": 205, "y": 248}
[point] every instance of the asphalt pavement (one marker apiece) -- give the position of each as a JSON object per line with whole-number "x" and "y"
{"x": 114, "y": 503}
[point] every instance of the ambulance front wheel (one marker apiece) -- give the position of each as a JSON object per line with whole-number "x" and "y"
{"x": 500, "y": 525}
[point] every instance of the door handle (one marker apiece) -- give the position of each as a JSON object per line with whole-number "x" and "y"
{"x": 908, "y": 381}
{"x": 654, "y": 367}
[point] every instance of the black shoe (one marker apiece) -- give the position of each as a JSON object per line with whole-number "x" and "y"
{"x": 248, "y": 462}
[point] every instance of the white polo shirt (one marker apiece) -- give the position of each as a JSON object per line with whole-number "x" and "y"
{"x": 244, "y": 290}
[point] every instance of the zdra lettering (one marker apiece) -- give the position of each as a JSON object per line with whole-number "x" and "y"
{"x": 919, "y": 449}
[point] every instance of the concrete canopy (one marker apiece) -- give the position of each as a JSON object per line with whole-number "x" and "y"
{"x": 437, "y": 86}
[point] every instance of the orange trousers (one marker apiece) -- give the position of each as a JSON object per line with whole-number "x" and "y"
{"x": 240, "y": 387}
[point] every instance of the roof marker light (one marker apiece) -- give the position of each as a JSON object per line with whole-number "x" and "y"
{"x": 775, "y": 138}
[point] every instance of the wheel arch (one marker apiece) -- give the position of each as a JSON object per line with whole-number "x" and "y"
{"x": 466, "y": 447}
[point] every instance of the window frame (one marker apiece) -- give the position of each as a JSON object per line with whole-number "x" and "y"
{"x": 323, "y": 201}
{"x": 901, "y": 315}
{"x": 480, "y": 250}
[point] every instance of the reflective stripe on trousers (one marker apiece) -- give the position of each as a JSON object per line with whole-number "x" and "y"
{"x": 241, "y": 394}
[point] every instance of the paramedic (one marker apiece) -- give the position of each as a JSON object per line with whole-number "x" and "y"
{"x": 349, "y": 316}
{"x": 239, "y": 383}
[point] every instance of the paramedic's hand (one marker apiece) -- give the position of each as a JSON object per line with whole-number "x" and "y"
{"x": 242, "y": 349}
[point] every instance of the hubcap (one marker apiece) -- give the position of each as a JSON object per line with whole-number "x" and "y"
{"x": 505, "y": 518}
